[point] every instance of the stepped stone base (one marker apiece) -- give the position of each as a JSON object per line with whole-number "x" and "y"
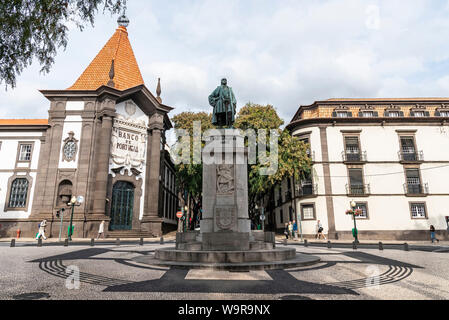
{"x": 298, "y": 260}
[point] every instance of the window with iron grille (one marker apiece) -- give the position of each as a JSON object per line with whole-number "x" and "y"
{"x": 394, "y": 114}
{"x": 418, "y": 210}
{"x": 408, "y": 149}
{"x": 342, "y": 114}
{"x": 364, "y": 207}
{"x": 413, "y": 181}
{"x": 25, "y": 152}
{"x": 308, "y": 212}
{"x": 368, "y": 114}
{"x": 356, "y": 181}
{"x": 352, "y": 148}
{"x": 419, "y": 114}
{"x": 18, "y": 194}
{"x": 444, "y": 113}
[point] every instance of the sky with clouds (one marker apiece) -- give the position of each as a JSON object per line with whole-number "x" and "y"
{"x": 281, "y": 52}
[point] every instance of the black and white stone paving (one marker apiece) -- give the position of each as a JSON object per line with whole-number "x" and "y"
{"x": 111, "y": 272}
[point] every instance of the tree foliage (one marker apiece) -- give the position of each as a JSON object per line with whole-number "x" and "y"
{"x": 190, "y": 176}
{"x": 35, "y": 29}
{"x": 292, "y": 161}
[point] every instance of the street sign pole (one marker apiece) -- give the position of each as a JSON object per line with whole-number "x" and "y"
{"x": 60, "y": 226}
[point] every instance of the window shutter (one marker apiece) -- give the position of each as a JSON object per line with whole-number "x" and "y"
{"x": 427, "y": 114}
{"x": 401, "y": 113}
{"x": 334, "y": 114}
{"x": 386, "y": 114}
{"x": 360, "y": 114}
{"x": 412, "y": 114}
{"x": 349, "y": 114}
{"x": 376, "y": 114}
{"x": 437, "y": 114}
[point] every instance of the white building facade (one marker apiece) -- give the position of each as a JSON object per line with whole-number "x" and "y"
{"x": 391, "y": 156}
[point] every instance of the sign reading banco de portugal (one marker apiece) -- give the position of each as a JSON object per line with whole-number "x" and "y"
{"x": 128, "y": 145}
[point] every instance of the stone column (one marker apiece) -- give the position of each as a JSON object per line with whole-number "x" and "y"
{"x": 332, "y": 233}
{"x": 102, "y": 151}
{"x": 150, "y": 220}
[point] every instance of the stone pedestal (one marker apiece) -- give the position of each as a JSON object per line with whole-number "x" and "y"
{"x": 225, "y": 240}
{"x": 225, "y": 223}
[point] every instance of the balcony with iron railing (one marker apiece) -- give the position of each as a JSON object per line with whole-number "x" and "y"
{"x": 307, "y": 190}
{"x": 354, "y": 156}
{"x": 416, "y": 189}
{"x": 358, "y": 190}
{"x": 410, "y": 155}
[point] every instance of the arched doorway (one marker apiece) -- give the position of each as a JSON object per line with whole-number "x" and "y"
{"x": 122, "y": 206}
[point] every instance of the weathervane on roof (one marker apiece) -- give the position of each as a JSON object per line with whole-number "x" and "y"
{"x": 123, "y": 20}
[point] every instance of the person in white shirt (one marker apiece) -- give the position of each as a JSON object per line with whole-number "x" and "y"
{"x": 41, "y": 233}
{"x": 101, "y": 230}
{"x": 319, "y": 229}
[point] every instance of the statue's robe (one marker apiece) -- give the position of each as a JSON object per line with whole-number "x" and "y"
{"x": 219, "y": 99}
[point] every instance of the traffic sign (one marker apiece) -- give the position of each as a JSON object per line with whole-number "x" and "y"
{"x": 179, "y": 214}
{"x": 262, "y": 217}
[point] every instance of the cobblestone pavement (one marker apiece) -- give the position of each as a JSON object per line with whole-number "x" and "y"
{"x": 108, "y": 272}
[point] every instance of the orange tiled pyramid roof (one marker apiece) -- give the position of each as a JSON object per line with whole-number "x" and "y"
{"x": 126, "y": 71}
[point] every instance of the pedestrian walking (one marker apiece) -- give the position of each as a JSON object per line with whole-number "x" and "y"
{"x": 41, "y": 232}
{"x": 319, "y": 229}
{"x": 432, "y": 234}
{"x": 290, "y": 229}
{"x": 101, "y": 230}
{"x": 295, "y": 229}
{"x": 286, "y": 231}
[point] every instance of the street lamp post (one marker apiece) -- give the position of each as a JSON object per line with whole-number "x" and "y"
{"x": 353, "y": 205}
{"x": 74, "y": 202}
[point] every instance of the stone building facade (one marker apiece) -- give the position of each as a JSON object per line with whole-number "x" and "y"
{"x": 104, "y": 140}
{"x": 391, "y": 156}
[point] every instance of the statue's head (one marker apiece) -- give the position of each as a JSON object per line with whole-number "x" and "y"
{"x": 224, "y": 82}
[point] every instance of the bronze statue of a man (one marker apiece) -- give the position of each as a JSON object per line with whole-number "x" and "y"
{"x": 225, "y": 105}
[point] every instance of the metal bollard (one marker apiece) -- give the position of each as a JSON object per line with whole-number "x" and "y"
{"x": 92, "y": 242}
{"x": 141, "y": 242}
{"x": 39, "y": 242}
{"x": 117, "y": 242}
{"x": 381, "y": 246}
{"x": 13, "y": 243}
{"x": 329, "y": 245}
{"x": 306, "y": 244}
{"x": 66, "y": 242}
{"x": 162, "y": 240}
{"x": 406, "y": 248}
{"x": 285, "y": 242}
{"x": 354, "y": 245}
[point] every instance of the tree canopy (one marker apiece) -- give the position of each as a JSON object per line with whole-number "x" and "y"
{"x": 35, "y": 29}
{"x": 292, "y": 161}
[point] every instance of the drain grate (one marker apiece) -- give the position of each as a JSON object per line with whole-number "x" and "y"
{"x": 32, "y": 296}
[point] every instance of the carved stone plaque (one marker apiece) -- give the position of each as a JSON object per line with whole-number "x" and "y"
{"x": 226, "y": 217}
{"x": 225, "y": 179}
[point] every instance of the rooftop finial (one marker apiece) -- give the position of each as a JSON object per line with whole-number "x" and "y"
{"x": 111, "y": 75}
{"x": 123, "y": 20}
{"x": 158, "y": 90}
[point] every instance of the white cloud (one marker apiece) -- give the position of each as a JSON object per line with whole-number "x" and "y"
{"x": 285, "y": 53}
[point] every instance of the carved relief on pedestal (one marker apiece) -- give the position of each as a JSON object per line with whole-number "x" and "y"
{"x": 225, "y": 179}
{"x": 225, "y": 217}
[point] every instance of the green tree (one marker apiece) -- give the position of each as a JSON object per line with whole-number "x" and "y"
{"x": 189, "y": 177}
{"x": 292, "y": 161}
{"x": 35, "y": 29}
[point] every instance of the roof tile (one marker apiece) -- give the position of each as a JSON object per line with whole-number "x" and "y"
{"x": 126, "y": 70}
